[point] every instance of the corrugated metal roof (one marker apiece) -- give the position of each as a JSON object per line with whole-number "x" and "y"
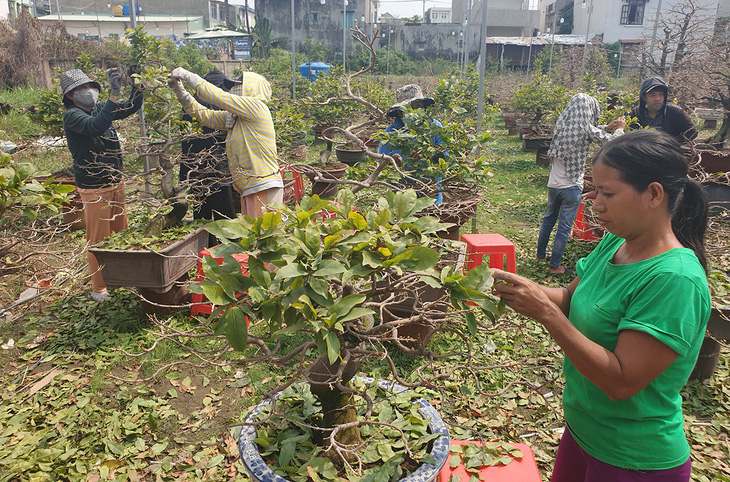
{"x": 546, "y": 39}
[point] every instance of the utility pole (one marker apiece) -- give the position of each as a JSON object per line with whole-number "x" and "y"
{"x": 133, "y": 15}
{"x": 529, "y": 53}
{"x": 142, "y": 125}
{"x": 58, "y": 11}
{"x": 482, "y": 65}
{"x": 656, "y": 24}
{"x": 588, "y": 26}
{"x": 293, "y": 56}
{"x": 248, "y": 27}
{"x": 466, "y": 35}
{"x": 552, "y": 41}
{"x": 387, "y": 68}
{"x": 344, "y": 33}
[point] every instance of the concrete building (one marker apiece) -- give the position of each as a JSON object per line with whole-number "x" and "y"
{"x": 628, "y": 19}
{"x": 321, "y": 21}
{"x": 505, "y": 18}
{"x": 438, "y": 15}
{"x": 14, "y": 7}
{"x": 180, "y": 8}
{"x": 240, "y": 15}
{"x": 92, "y": 26}
{"x": 550, "y": 14}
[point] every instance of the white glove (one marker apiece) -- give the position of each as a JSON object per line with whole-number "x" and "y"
{"x": 182, "y": 95}
{"x": 230, "y": 120}
{"x": 186, "y": 76}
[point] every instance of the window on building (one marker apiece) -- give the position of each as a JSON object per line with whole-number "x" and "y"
{"x": 434, "y": 15}
{"x": 632, "y": 13}
{"x": 349, "y": 19}
{"x": 314, "y": 16}
{"x": 444, "y": 16}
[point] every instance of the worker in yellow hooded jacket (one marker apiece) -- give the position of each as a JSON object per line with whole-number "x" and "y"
{"x": 251, "y": 140}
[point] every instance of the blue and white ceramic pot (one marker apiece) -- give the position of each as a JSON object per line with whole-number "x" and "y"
{"x": 260, "y": 472}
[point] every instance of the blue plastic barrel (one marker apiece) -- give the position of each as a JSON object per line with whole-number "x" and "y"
{"x": 311, "y": 70}
{"x": 125, "y": 10}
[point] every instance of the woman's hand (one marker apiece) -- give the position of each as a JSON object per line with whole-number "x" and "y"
{"x": 529, "y": 298}
{"x": 521, "y": 294}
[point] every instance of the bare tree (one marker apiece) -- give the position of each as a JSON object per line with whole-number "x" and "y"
{"x": 677, "y": 37}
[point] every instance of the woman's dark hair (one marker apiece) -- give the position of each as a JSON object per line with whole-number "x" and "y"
{"x": 647, "y": 156}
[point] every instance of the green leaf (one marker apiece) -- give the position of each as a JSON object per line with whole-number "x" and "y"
{"x": 288, "y": 448}
{"x": 328, "y": 268}
{"x": 416, "y": 258}
{"x": 291, "y": 270}
{"x": 346, "y": 304}
{"x": 371, "y": 259}
{"x": 258, "y": 271}
{"x": 357, "y": 220}
{"x": 354, "y": 314}
{"x": 216, "y": 294}
{"x": 333, "y": 346}
{"x": 235, "y": 327}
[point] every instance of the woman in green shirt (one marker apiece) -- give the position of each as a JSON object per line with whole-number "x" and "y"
{"x": 631, "y": 324}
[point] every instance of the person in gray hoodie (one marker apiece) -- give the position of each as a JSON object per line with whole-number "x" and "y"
{"x": 655, "y": 112}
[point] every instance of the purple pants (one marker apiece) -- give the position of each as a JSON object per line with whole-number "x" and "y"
{"x": 573, "y": 464}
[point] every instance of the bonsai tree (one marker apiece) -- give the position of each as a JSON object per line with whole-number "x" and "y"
{"x": 23, "y": 199}
{"x": 326, "y": 287}
{"x": 540, "y": 99}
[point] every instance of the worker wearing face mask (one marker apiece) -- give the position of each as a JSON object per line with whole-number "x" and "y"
{"x": 97, "y": 157}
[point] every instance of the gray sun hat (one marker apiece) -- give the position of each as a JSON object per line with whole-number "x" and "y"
{"x": 405, "y": 96}
{"x": 72, "y": 79}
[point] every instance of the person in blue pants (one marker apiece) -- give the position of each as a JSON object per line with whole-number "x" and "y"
{"x": 575, "y": 130}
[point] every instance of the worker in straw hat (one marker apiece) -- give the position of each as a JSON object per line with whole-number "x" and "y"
{"x": 97, "y": 156}
{"x": 408, "y": 98}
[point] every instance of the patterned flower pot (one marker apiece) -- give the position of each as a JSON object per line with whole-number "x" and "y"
{"x": 260, "y": 472}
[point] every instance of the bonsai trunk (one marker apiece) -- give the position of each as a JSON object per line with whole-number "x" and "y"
{"x": 337, "y": 406}
{"x": 179, "y": 208}
{"x": 724, "y": 132}
{"x": 535, "y": 122}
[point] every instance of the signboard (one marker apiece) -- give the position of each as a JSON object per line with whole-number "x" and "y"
{"x": 242, "y": 48}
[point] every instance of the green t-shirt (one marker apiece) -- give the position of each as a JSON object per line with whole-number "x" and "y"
{"x": 665, "y": 296}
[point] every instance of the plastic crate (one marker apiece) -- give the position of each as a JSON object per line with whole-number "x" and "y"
{"x": 201, "y": 305}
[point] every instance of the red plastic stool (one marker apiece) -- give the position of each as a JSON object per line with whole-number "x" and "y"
{"x": 200, "y": 304}
{"x": 581, "y": 229}
{"x": 298, "y": 185}
{"x": 518, "y": 470}
{"x": 495, "y": 245}
{"x": 326, "y": 213}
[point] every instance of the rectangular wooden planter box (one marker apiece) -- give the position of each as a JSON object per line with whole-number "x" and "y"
{"x": 535, "y": 143}
{"x": 154, "y": 270}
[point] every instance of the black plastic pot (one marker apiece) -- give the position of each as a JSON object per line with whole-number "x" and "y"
{"x": 349, "y": 156}
{"x": 718, "y": 196}
{"x": 707, "y": 359}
